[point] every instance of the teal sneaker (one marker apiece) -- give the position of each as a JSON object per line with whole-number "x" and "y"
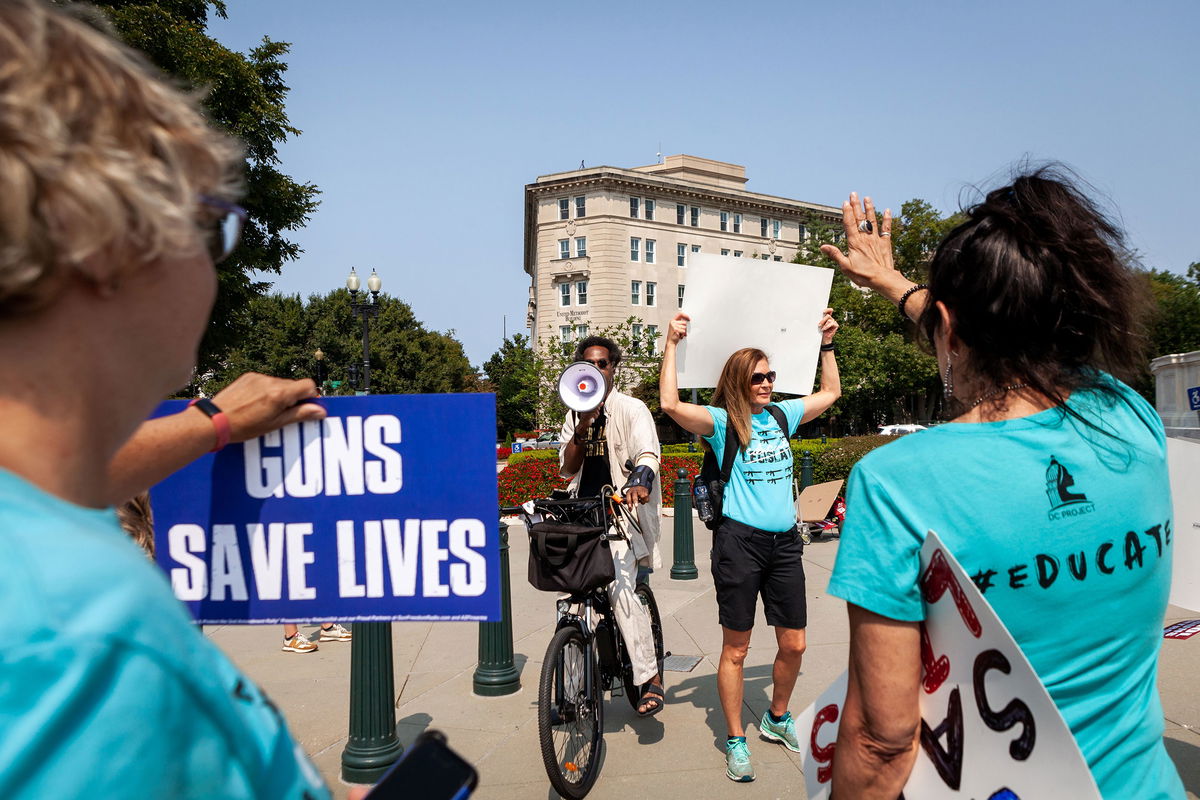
{"x": 737, "y": 760}
{"x": 783, "y": 731}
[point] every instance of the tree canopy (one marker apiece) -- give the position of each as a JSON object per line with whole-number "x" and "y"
{"x": 243, "y": 94}
{"x": 405, "y": 356}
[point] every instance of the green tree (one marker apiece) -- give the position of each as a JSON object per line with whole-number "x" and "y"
{"x": 886, "y": 374}
{"x": 242, "y": 93}
{"x": 513, "y": 378}
{"x": 405, "y": 356}
{"x": 1174, "y": 324}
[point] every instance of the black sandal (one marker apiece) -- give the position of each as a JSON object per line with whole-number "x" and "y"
{"x": 652, "y": 695}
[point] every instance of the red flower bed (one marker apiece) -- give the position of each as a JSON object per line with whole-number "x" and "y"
{"x": 502, "y": 453}
{"x": 529, "y": 479}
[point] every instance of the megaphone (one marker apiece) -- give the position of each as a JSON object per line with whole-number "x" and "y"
{"x": 581, "y": 387}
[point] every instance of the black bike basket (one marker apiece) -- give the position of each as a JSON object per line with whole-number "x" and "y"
{"x": 568, "y": 551}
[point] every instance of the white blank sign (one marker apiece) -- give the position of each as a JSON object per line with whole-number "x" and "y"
{"x": 749, "y": 302}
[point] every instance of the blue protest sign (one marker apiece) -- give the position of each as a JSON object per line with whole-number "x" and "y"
{"x": 385, "y": 510}
{"x": 1194, "y": 398}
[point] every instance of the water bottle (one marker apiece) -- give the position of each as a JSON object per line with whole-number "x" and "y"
{"x": 702, "y": 502}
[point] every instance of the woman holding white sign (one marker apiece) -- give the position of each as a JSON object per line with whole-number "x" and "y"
{"x": 756, "y": 547}
{"x": 1049, "y": 486}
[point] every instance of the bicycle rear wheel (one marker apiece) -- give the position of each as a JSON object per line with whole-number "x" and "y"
{"x": 633, "y": 691}
{"x": 570, "y": 715}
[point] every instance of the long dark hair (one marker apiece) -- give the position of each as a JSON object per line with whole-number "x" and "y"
{"x": 1041, "y": 292}
{"x": 733, "y": 390}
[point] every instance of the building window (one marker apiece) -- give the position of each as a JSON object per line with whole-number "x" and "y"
{"x": 649, "y": 251}
{"x": 651, "y": 289}
{"x": 776, "y": 227}
{"x": 724, "y": 220}
{"x": 635, "y": 249}
{"x": 681, "y": 295}
{"x": 766, "y": 256}
{"x": 580, "y": 246}
{"x": 779, "y": 258}
{"x": 648, "y": 208}
{"x": 564, "y": 207}
{"x": 634, "y": 207}
{"x": 581, "y": 206}
{"x": 695, "y": 216}
{"x": 565, "y": 290}
{"x": 737, "y": 223}
{"x": 564, "y": 248}
{"x": 803, "y": 233}
{"x": 680, "y": 212}
{"x": 581, "y": 331}
{"x": 737, "y": 253}
{"x": 763, "y": 227}
{"x": 724, "y": 251}
{"x": 581, "y": 293}
{"x": 695, "y": 248}
{"x": 681, "y": 255}
{"x": 635, "y": 293}
{"x": 637, "y": 336}
{"x": 564, "y": 333}
{"x": 652, "y": 335}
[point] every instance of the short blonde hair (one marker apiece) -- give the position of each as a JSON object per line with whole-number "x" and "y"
{"x": 102, "y": 162}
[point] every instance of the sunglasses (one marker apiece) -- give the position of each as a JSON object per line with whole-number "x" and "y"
{"x": 224, "y": 232}
{"x": 599, "y": 363}
{"x": 759, "y": 377}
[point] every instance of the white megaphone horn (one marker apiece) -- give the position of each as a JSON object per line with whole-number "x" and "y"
{"x": 581, "y": 386}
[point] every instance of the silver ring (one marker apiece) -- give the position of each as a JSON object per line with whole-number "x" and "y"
{"x": 885, "y": 233}
{"x": 865, "y": 226}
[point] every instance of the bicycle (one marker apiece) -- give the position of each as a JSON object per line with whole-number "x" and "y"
{"x": 586, "y": 657}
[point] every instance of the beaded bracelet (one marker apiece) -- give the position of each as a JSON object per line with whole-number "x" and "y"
{"x": 907, "y": 294}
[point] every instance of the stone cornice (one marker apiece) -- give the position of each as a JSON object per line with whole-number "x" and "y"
{"x": 679, "y": 189}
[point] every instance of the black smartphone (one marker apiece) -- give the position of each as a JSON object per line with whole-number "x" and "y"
{"x": 427, "y": 770}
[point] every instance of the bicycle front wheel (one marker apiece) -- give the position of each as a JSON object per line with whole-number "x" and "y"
{"x": 632, "y": 691}
{"x": 570, "y": 715}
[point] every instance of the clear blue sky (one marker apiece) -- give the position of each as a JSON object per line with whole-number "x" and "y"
{"x": 422, "y": 121}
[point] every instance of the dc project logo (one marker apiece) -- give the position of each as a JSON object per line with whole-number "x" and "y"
{"x": 1065, "y": 501}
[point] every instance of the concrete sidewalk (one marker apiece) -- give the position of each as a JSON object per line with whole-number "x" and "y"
{"x": 677, "y": 754}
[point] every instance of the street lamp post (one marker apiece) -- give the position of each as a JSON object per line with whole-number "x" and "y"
{"x": 372, "y": 745}
{"x": 366, "y": 310}
{"x": 319, "y": 357}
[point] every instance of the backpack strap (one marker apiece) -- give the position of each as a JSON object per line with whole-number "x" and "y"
{"x": 780, "y": 419}
{"x": 729, "y": 453}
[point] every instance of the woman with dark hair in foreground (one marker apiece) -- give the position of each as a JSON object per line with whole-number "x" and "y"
{"x": 1035, "y": 320}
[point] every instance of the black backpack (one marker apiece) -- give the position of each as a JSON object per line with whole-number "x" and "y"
{"x": 715, "y": 477}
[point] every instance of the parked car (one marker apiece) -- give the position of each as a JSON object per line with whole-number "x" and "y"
{"x": 900, "y": 430}
{"x": 547, "y": 441}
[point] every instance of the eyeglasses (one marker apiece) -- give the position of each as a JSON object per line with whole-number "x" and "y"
{"x": 759, "y": 377}
{"x": 224, "y": 232}
{"x": 599, "y": 363}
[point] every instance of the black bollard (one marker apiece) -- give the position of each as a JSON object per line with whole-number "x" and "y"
{"x": 496, "y": 674}
{"x": 684, "y": 568}
{"x": 806, "y": 478}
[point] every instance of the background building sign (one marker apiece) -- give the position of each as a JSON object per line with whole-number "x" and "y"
{"x": 385, "y": 510}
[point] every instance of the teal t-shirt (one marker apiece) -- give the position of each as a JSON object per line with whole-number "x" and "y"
{"x": 759, "y": 492}
{"x": 1067, "y": 532}
{"x": 107, "y": 689}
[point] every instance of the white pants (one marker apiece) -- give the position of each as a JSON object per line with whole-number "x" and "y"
{"x": 633, "y": 618}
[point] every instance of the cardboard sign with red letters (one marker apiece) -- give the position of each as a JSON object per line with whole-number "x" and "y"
{"x": 989, "y": 730}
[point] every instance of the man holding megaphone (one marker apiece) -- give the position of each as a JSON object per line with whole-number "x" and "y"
{"x": 609, "y": 439}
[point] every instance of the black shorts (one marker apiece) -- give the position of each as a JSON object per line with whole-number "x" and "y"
{"x": 746, "y": 562}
